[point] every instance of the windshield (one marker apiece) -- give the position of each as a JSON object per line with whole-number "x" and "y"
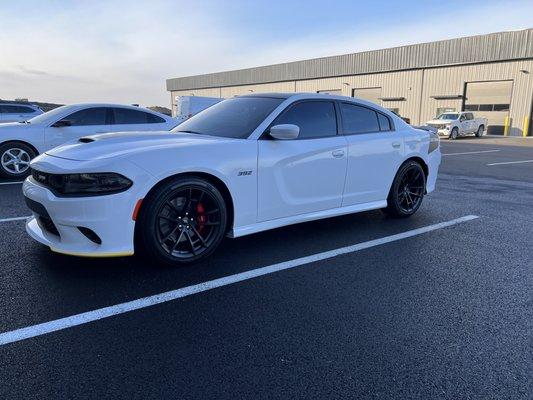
{"x": 233, "y": 118}
{"x": 47, "y": 115}
{"x": 448, "y": 116}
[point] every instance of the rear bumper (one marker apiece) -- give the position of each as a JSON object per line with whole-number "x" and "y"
{"x": 434, "y": 159}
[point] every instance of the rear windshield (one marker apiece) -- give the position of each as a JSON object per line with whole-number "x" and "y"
{"x": 233, "y": 118}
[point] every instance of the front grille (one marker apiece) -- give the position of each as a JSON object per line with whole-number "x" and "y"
{"x": 438, "y": 126}
{"x": 48, "y": 225}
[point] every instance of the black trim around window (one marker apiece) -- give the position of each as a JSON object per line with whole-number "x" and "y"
{"x": 391, "y": 122}
{"x": 265, "y": 135}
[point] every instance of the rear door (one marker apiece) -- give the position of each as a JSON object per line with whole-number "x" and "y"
{"x": 306, "y": 174}
{"x": 375, "y": 152}
{"x": 88, "y": 121}
{"x": 127, "y": 119}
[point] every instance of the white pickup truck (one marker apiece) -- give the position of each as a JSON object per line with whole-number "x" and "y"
{"x": 455, "y": 124}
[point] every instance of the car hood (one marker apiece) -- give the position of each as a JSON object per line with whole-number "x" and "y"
{"x": 440, "y": 121}
{"x": 110, "y": 145}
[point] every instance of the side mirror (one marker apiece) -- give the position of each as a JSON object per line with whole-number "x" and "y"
{"x": 285, "y": 131}
{"x": 61, "y": 123}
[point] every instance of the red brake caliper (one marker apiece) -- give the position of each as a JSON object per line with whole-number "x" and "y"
{"x": 202, "y": 219}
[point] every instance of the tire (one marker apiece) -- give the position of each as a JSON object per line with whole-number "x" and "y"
{"x": 454, "y": 133}
{"x": 183, "y": 221}
{"x": 480, "y": 131}
{"x": 409, "y": 184}
{"x": 15, "y": 158}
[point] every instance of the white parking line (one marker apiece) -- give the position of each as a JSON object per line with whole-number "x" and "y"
{"x": 11, "y": 183}
{"x": 14, "y": 219}
{"x": 90, "y": 316}
{"x": 469, "y": 152}
{"x": 510, "y": 162}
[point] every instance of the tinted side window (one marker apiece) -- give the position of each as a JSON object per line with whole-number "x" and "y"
{"x": 128, "y": 116}
{"x": 315, "y": 118}
{"x": 155, "y": 119}
{"x": 16, "y": 109}
{"x": 384, "y": 122}
{"x": 357, "y": 119}
{"x": 89, "y": 116}
{"x": 469, "y": 116}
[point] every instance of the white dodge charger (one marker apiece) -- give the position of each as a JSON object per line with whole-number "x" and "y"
{"x": 242, "y": 166}
{"x": 21, "y": 141}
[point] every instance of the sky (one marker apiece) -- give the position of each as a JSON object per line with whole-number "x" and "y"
{"x": 123, "y": 51}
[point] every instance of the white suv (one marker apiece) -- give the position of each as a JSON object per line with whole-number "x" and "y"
{"x": 12, "y": 112}
{"x": 20, "y": 142}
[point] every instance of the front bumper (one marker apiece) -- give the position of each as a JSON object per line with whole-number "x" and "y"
{"x": 443, "y": 132}
{"x": 109, "y": 217}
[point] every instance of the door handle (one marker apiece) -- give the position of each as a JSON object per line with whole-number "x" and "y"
{"x": 338, "y": 153}
{"x": 396, "y": 144}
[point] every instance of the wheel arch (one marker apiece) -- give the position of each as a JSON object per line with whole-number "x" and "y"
{"x": 31, "y": 146}
{"x": 420, "y": 161}
{"x": 214, "y": 180}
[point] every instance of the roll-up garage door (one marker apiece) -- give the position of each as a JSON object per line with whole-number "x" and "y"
{"x": 370, "y": 94}
{"x": 490, "y": 100}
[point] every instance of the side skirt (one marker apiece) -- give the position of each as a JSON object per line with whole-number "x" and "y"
{"x": 296, "y": 219}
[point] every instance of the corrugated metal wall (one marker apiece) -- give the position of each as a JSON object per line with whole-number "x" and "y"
{"x": 452, "y": 80}
{"x": 416, "y": 87}
{"x": 475, "y": 49}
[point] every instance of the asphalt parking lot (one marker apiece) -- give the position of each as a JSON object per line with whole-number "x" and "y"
{"x": 443, "y": 312}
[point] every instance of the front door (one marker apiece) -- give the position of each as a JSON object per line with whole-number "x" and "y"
{"x": 303, "y": 175}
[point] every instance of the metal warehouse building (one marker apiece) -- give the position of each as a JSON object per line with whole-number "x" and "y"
{"x": 491, "y": 75}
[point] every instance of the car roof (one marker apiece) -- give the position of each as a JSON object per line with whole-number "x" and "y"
{"x": 5, "y": 103}
{"x": 307, "y": 95}
{"x": 271, "y": 95}
{"x": 322, "y": 96}
{"x": 84, "y": 105}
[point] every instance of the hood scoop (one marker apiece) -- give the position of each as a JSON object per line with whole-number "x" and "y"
{"x": 86, "y": 140}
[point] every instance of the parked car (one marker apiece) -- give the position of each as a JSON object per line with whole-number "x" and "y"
{"x": 13, "y": 112}
{"x": 455, "y": 124}
{"x": 187, "y": 106}
{"x": 242, "y": 166}
{"x": 20, "y": 142}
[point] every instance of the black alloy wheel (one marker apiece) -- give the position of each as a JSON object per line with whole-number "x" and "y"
{"x": 407, "y": 191}
{"x": 184, "y": 221}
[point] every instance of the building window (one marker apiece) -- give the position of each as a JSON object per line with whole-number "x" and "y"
{"x": 486, "y": 107}
{"x": 332, "y": 91}
{"x": 442, "y": 110}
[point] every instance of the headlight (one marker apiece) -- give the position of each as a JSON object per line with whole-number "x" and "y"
{"x": 86, "y": 184}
